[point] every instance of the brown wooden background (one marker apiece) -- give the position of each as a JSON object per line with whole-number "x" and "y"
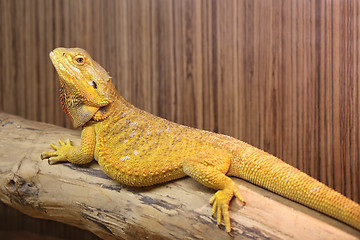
{"x": 282, "y": 75}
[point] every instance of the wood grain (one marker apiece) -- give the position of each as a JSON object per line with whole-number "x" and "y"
{"x": 280, "y": 75}
{"x": 83, "y": 196}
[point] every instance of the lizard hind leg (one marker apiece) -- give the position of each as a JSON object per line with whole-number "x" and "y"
{"x": 211, "y": 172}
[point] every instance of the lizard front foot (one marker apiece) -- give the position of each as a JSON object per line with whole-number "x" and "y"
{"x": 220, "y": 204}
{"x": 60, "y": 154}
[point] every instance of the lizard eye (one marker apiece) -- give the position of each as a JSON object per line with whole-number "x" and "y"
{"x": 80, "y": 60}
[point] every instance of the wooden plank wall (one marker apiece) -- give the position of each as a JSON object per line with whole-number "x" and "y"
{"x": 282, "y": 75}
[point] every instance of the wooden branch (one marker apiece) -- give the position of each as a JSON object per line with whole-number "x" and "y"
{"x": 86, "y": 198}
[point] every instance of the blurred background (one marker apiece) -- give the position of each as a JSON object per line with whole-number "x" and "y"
{"x": 282, "y": 75}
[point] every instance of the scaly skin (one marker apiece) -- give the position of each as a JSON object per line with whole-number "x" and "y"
{"x": 137, "y": 148}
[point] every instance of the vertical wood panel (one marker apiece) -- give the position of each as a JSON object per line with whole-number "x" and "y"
{"x": 281, "y": 75}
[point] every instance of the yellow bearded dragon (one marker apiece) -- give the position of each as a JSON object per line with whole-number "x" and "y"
{"x": 139, "y": 149}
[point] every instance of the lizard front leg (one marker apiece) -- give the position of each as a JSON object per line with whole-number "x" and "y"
{"x": 78, "y": 155}
{"x": 209, "y": 169}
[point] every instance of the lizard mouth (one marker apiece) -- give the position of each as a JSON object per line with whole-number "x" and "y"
{"x": 63, "y": 69}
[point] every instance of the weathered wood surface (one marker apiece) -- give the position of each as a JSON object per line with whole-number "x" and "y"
{"x": 86, "y": 198}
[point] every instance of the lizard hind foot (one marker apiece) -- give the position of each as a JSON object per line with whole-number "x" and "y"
{"x": 220, "y": 205}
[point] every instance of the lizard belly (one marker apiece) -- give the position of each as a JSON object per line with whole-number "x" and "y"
{"x": 142, "y": 158}
{"x": 140, "y": 172}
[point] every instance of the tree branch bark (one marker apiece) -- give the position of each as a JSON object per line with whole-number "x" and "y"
{"x": 86, "y": 198}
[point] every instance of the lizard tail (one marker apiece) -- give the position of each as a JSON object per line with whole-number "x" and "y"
{"x": 269, "y": 172}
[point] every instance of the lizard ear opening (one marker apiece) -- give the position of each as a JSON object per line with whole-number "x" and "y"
{"x": 93, "y": 83}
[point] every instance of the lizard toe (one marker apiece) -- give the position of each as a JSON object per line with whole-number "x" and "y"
{"x": 220, "y": 207}
{"x": 45, "y": 155}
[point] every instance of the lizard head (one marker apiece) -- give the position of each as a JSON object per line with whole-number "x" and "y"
{"x": 85, "y": 85}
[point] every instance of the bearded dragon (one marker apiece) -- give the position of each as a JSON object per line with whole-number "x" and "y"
{"x": 139, "y": 149}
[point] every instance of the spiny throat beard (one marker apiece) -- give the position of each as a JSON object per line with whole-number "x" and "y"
{"x": 68, "y": 101}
